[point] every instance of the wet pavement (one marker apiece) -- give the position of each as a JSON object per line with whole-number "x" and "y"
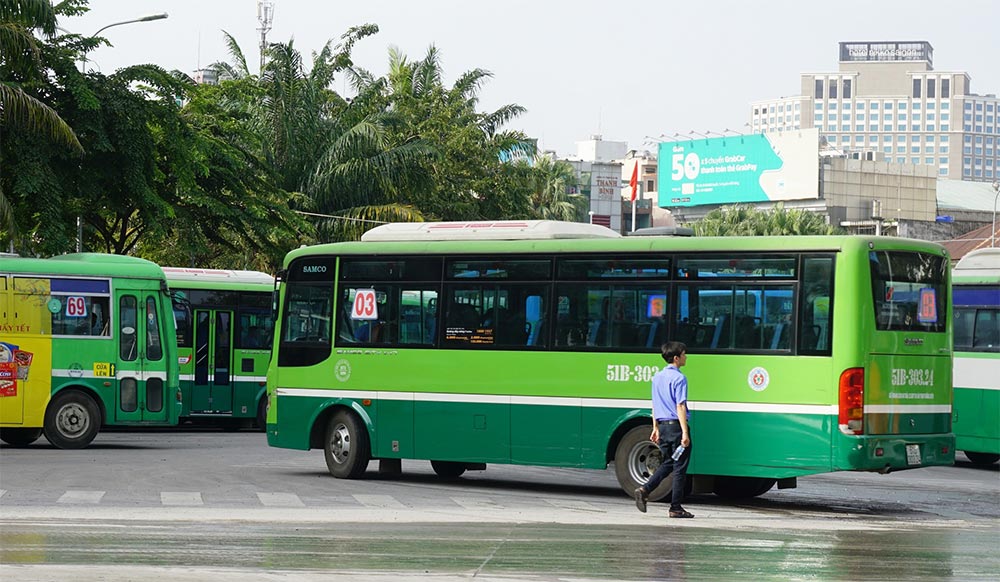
{"x": 92, "y": 550}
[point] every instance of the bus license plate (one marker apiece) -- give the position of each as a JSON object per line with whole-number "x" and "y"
{"x": 912, "y": 454}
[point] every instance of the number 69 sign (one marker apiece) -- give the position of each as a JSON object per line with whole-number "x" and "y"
{"x": 364, "y": 305}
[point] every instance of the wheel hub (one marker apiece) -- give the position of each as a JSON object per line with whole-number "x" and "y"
{"x": 72, "y": 420}
{"x": 340, "y": 444}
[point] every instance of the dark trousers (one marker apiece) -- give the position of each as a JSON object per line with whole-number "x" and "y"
{"x": 670, "y": 439}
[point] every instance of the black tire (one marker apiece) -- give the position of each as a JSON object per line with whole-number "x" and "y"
{"x": 346, "y": 447}
{"x": 742, "y": 487}
{"x": 72, "y": 420}
{"x": 262, "y": 414}
{"x": 448, "y": 469}
{"x": 636, "y": 459}
{"x": 20, "y": 437}
{"x": 982, "y": 458}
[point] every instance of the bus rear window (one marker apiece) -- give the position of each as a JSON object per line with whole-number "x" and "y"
{"x": 909, "y": 291}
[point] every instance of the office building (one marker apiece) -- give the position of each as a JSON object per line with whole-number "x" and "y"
{"x": 886, "y": 102}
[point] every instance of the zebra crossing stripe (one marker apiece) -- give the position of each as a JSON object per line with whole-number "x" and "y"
{"x": 180, "y": 498}
{"x": 280, "y": 500}
{"x": 383, "y": 501}
{"x": 574, "y": 505}
{"x": 91, "y": 497}
{"x": 476, "y": 503}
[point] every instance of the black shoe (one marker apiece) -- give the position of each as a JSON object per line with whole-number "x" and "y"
{"x": 640, "y": 499}
{"x": 680, "y": 513}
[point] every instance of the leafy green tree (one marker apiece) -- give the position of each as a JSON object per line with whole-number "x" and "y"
{"x": 471, "y": 180}
{"x": 21, "y": 72}
{"x": 552, "y": 198}
{"x": 338, "y": 153}
{"x": 153, "y": 179}
{"x": 745, "y": 220}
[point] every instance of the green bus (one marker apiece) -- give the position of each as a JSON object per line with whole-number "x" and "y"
{"x": 224, "y": 330}
{"x": 534, "y": 342}
{"x": 86, "y": 340}
{"x": 976, "y": 415}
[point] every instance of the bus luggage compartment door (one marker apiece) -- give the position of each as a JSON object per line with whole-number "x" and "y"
{"x": 907, "y": 394}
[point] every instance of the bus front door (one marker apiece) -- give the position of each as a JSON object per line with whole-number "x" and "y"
{"x": 213, "y": 381}
{"x": 141, "y": 370}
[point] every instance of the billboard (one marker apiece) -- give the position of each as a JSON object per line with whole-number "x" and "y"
{"x": 741, "y": 168}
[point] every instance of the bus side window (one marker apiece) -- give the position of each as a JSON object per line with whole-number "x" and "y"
{"x": 814, "y": 317}
{"x": 987, "y": 336}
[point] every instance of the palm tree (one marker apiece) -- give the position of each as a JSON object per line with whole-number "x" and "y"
{"x": 469, "y": 179}
{"x": 21, "y": 68}
{"x": 552, "y": 199}
{"x": 745, "y": 220}
{"x": 337, "y": 153}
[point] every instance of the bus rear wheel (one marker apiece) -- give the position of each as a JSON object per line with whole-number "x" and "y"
{"x": 346, "y": 447}
{"x": 982, "y": 458}
{"x": 20, "y": 437}
{"x": 448, "y": 469}
{"x": 742, "y": 487}
{"x": 636, "y": 459}
{"x": 72, "y": 420}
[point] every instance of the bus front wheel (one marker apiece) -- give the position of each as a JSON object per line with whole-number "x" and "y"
{"x": 346, "y": 446}
{"x": 20, "y": 437}
{"x": 636, "y": 459}
{"x": 982, "y": 458}
{"x": 72, "y": 420}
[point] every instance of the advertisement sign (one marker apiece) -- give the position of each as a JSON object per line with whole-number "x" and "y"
{"x": 742, "y": 168}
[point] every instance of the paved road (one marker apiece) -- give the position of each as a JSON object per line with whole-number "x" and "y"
{"x": 191, "y": 505}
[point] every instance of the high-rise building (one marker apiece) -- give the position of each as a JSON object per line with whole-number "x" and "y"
{"x": 886, "y": 102}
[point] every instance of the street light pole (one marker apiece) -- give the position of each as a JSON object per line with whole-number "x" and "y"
{"x": 160, "y": 16}
{"x": 993, "y": 233}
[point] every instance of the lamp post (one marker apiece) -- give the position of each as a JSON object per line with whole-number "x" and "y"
{"x": 160, "y": 16}
{"x": 993, "y": 233}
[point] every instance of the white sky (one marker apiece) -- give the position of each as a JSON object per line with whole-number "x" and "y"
{"x": 623, "y": 70}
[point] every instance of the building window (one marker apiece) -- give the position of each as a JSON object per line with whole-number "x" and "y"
{"x": 945, "y": 88}
{"x": 819, "y": 88}
{"x": 832, "y": 88}
{"x": 930, "y": 88}
{"x": 916, "y": 87}
{"x": 944, "y": 127}
{"x": 847, "y": 89}
{"x": 818, "y": 107}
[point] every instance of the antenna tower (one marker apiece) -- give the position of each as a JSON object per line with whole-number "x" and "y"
{"x": 265, "y": 14}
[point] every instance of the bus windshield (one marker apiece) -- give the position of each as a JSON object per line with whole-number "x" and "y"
{"x": 908, "y": 290}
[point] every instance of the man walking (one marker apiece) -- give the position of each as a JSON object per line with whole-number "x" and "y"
{"x": 670, "y": 428}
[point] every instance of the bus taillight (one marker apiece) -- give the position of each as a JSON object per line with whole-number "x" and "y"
{"x": 852, "y": 400}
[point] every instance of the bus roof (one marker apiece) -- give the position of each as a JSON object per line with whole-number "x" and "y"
{"x": 85, "y": 264}
{"x": 486, "y": 230}
{"x": 513, "y": 242}
{"x": 980, "y": 265}
{"x": 217, "y": 278}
